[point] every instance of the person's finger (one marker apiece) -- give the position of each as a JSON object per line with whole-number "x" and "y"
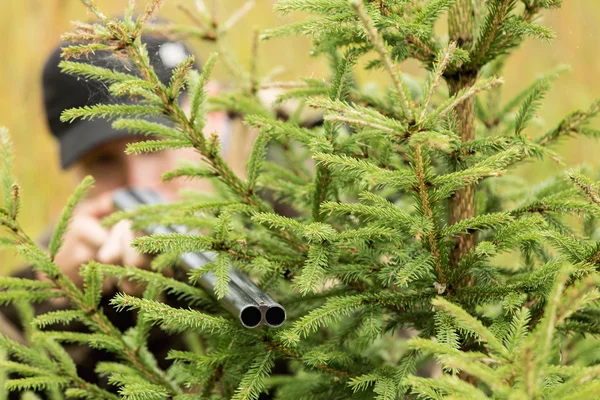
{"x": 212, "y": 87}
{"x": 131, "y": 255}
{"x": 109, "y": 285}
{"x": 88, "y": 230}
{"x": 111, "y": 251}
{"x": 98, "y": 207}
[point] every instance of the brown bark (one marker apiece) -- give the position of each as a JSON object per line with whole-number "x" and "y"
{"x": 461, "y": 23}
{"x": 462, "y": 203}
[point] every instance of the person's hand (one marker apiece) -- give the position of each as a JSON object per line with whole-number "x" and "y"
{"x": 86, "y": 239}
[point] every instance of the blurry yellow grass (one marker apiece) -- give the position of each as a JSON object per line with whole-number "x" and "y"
{"x": 30, "y": 28}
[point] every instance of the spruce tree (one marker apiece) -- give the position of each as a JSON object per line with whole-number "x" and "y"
{"x": 410, "y": 221}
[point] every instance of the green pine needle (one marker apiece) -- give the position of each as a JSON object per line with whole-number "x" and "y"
{"x": 57, "y": 239}
{"x": 253, "y": 382}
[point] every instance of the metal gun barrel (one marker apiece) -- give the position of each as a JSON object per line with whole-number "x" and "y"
{"x": 244, "y": 298}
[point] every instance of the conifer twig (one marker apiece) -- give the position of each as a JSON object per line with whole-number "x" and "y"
{"x": 193, "y": 17}
{"x": 439, "y": 70}
{"x": 150, "y": 12}
{"x": 428, "y": 213}
{"x": 571, "y": 123}
{"x": 324, "y": 367}
{"x": 425, "y": 53}
{"x": 498, "y": 10}
{"x": 238, "y": 15}
{"x": 462, "y": 96}
{"x": 588, "y": 188}
{"x": 380, "y": 46}
{"x": 91, "y": 5}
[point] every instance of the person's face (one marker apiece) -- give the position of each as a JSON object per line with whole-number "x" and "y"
{"x": 112, "y": 169}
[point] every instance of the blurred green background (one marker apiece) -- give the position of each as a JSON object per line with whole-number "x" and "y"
{"x": 29, "y": 29}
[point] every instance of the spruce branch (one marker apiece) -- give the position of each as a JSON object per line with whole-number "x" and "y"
{"x": 91, "y": 5}
{"x": 573, "y": 123}
{"x": 417, "y": 269}
{"x": 37, "y": 383}
{"x": 56, "y": 317}
{"x": 338, "y": 91}
{"x": 184, "y": 292}
{"x": 540, "y": 343}
{"x": 41, "y": 372}
{"x": 432, "y": 389}
{"x": 143, "y": 127}
{"x": 422, "y": 50}
{"x": 475, "y": 364}
{"x": 151, "y": 10}
{"x": 582, "y": 183}
{"x": 530, "y": 105}
{"x": 435, "y": 78}
{"x": 95, "y": 72}
{"x": 313, "y": 273}
{"x": 427, "y": 208}
{"x": 179, "y": 77}
{"x": 492, "y": 166}
{"x": 189, "y": 172}
{"x": 173, "y": 319}
{"x": 167, "y": 242}
{"x": 520, "y": 97}
{"x": 385, "y": 213}
{"x": 253, "y": 382}
{"x": 153, "y": 146}
{"x": 198, "y": 93}
{"x": 312, "y": 6}
{"x": 84, "y": 50}
{"x": 475, "y": 326}
{"x": 486, "y": 221}
{"x": 108, "y": 111}
{"x": 225, "y": 173}
{"x": 15, "y": 202}
{"x": 370, "y": 173}
{"x": 498, "y": 11}
{"x": 236, "y": 16}
{"x": 221, "y": 268}
{"x": 12, "y": 296}
{"x": 138, "y": 54}
{"x": 360, "y": 116}
{"x": 381, "y": 48}
{"x": 518, "y": 330}
{"x": 257, "y": 158}
{"x": 293, "y": 353}
{"x": 460, "y": 97}
{"x": 61, "y": 227}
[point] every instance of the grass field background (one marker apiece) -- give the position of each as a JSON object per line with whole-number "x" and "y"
{"x": 29, "y": 29}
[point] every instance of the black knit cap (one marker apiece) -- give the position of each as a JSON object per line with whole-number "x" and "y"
{"x": 62, "y": 91}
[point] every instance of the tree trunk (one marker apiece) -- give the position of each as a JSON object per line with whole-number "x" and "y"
{"x": 462, "y": 203}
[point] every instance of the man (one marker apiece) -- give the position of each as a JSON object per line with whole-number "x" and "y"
{"x": 95, "y": 148}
